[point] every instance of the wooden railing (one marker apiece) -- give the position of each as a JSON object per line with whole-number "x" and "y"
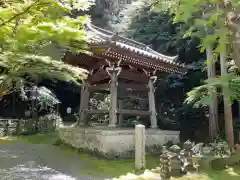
{"x": 95, "y": 111}
{"x": 133, "y": 112}
{"x": 120, "y": 111}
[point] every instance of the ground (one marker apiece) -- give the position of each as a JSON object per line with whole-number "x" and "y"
{"x": 35, "y": 158}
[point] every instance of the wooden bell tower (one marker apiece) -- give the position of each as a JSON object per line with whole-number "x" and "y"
{"x": 117, "y": 63}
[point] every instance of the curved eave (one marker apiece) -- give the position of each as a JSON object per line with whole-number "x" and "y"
{"x": 135, "y": 56}
{"x": 102, "y": 36}
{"x": 140, "y": 52}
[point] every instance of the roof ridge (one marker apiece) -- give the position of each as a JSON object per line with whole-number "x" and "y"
{"x": 107, "y": 36}
{"x": 113, "y": 35}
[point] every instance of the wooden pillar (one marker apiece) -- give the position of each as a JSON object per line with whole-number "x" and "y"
{"x": 120, "y": 117}
{"x": 113, "y": 100}
{"x": 113, "y": 72}
{"x": 83, "y": 104}
{"x": 151, "y": 99}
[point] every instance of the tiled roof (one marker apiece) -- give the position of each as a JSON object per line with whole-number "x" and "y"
{"x": 101, "y": 36}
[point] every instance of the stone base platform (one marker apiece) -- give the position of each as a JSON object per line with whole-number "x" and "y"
{"x": 114, "y": 142}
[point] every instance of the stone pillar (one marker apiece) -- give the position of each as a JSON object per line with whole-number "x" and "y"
{"x": 151, "y": 99}
{"x": 83, "y": 104}
{"x": 113, "y": 72}
{"x": 120, "y": 117}
{"x": 140, "y": 159}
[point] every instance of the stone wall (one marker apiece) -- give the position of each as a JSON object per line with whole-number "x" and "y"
{"x": 12, "y": 127}
{"x": 115, "y": 143}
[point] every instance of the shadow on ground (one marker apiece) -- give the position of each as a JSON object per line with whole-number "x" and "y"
{"x": 34, "y": 157}
{"x": 20, "y": 160}
{"x": 44, "y": 158}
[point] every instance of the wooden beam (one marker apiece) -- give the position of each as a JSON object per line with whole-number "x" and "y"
{"x": 133, "y": 87}
{"x": 137, "y": 98}
{"x": 133, "y": 76}
{"x": 101, "y": 111}
{"x": 127, "y": 86}
{"x": 133, "y": 112}
{"x": 98, "y": 76}
{"x": 150, "y": 62}
{"x": 99, "y": 87}
{"x": 111, "y": 59}
{"x": 80, "y": 59}
{"x": 127, "y": 75}
{"x": 100, "y": 63}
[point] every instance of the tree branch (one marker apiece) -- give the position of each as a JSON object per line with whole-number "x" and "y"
{"x": 19, "y": 14}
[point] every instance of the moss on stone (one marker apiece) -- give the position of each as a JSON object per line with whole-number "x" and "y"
{"x": 7, "y": 140}
{"x": 222, "y": 163}
{"x": 102, "y": 163}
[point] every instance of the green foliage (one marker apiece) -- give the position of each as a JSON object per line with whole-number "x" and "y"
{"x": 27, "y": 68}
{"x": 45, "y": 97}
{"x": 157, "y": 30}
{"x": 199, "y": 96}
{"x": 26, "y": 27}
{"x": 100, "y": 16}
{"x": 208, "y": 20}
{"x": 27, "y": 23}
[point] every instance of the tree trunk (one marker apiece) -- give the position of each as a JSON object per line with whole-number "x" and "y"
{"x": 213, "y": 106}
{"x": 227, "y": 104}
{"x": 232, "y": 22}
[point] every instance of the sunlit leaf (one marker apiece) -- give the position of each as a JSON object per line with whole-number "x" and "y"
{"x": 26, "y": 29}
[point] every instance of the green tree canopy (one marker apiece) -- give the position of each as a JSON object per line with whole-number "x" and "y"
{"x": 216, "y": 23}
{"x": 27, "y": 27}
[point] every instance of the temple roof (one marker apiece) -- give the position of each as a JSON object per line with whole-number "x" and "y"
{"x": 102, "y": 36}
{"x": 137, "y": 51}
{"x": 105, "y": 45}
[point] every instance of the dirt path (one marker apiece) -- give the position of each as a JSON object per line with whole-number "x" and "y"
{"x": 21, "y": 161}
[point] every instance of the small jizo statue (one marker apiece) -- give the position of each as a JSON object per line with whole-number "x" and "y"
{"x": 164, "y": 166}
{"x": 188, "y": 164}
{"x": 175, "y": 165}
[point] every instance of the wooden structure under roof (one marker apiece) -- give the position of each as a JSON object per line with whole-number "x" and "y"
{"x": 120, "y": 62}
